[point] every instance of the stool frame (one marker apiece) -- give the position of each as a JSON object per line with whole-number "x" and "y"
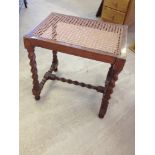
{"x": 117, "y": 64}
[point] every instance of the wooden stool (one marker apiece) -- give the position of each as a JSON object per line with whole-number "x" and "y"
{"x": 81, "y": 37}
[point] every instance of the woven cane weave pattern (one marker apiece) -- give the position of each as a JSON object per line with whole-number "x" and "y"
{"x": 87, "y": 33}
{"x": 87, "y": 37}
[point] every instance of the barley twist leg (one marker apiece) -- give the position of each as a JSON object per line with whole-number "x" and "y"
{"x": 112, "y": 77}
{"x": 55, "y": 61}
{"x": 36, "y": 88}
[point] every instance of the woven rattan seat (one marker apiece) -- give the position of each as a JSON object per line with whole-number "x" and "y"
{"x": 102, "y": 37}
{"x": 87, "y": 38}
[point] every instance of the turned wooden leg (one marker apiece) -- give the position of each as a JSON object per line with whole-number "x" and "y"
{"x": 108, "y": 91}
{"x": 112, "y": 77}
{"x": 36, "y": 88}
{"x": 55, "y": 61}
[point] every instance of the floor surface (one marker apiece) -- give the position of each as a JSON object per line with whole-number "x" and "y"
{"x": 64, "y": 121}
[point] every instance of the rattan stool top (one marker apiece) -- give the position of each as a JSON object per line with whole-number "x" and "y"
{"x": 92, "y": 35}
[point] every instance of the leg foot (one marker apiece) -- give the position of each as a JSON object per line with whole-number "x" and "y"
{"x": 56, "y": 69}
{"x": 100, "y": 115}
{"x": 37, "y": 97}
{"x": 103, "y": 110}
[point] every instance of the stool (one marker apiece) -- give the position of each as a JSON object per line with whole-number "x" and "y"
{"x": 87, "y": 38}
